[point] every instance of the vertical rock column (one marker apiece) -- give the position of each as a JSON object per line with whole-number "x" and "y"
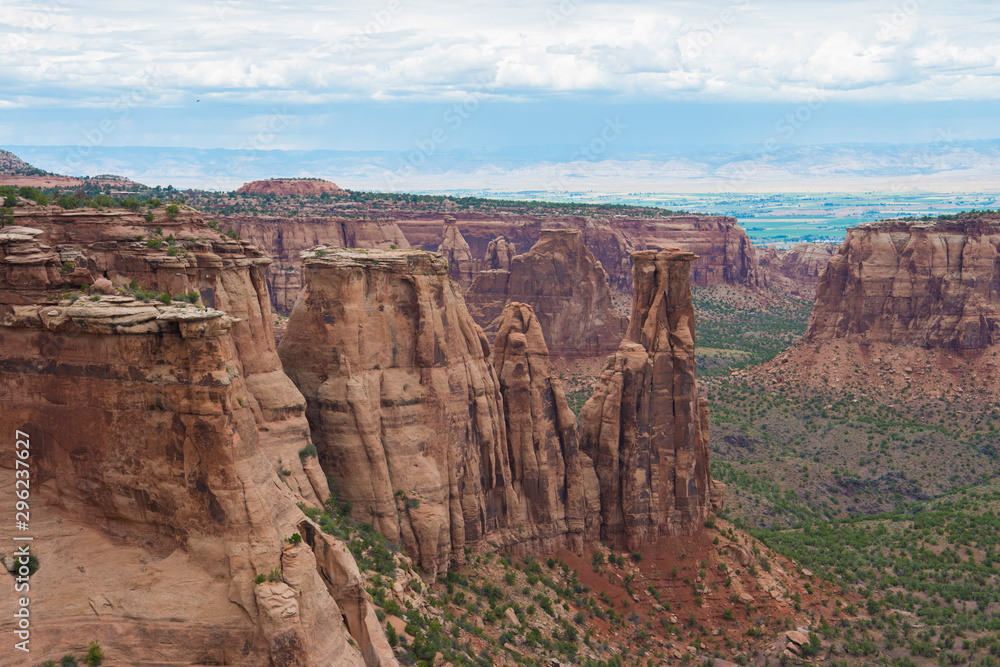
{"x": 555, "y": 483}
{"x": 645, "y": 427}
{"x": 456, "y": 251}
{"x": 404, "y": 405}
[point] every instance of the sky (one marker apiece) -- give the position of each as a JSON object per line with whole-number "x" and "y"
{"x": 398, "y": 74}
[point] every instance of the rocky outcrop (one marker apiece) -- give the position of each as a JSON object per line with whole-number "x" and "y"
{"x": 499, "y": 254}
{"x": 725, "y": 253}
{"x": 904, "y": 308}
{"x": 284, "y": 239}
{"x": 933, "y": 285}
{"x": 566, "y": 287}
{"x": 289, "y": 186}
{"x": 455, "y": 250}
{"x": 165, "y": 449}
{"x": 645, "y": 427}
{"x": 404, "y": 404}
{"x": 798, "y": 269}
{"x": 555, "y": 483}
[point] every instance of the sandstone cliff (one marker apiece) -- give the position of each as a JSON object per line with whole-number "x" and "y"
{"x": 404, "y": 405}
{"x": 725, "y": 253}
{"x": 455, "y": 250}
{"x": 499, "y": 254}
{"x": 165, "y": 446}
{"x": 289, "y": 186}
{"x": 645, "y": 427}
{"x": 926, "y": 284}
{"x": 284, "y": 239}
{"x": 904, "y": 304}
{"x": 566, "y": 287}
{"x": 555, "y": 483}
{"x": 798, "y": 269}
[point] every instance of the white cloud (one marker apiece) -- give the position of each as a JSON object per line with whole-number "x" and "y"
{"x": 240, "y": 50}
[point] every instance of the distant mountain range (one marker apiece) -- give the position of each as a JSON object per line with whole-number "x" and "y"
{"x": 938, "y": 166}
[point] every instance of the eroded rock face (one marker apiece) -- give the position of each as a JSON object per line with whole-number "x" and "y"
{"x": 288, "y": 186}
{"x": 725, "y": 253}
{"x": 402, "y": 398}
{"x": 932, "y": 285}
{"x": 499, "y": 254}
{"x": 566, "y": 287}
{"x": 455, "y": 250}
{"x": 645, "y": 427}
{"x": 155, "y": 434}
{"x": 798, "y": 269}
{"x": 555, "y": 483}
{"x": 284, "y": 239}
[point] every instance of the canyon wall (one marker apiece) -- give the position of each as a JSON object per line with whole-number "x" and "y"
{"x": 445, "y": 446}
{"x": 646, "y": 426}
{"x": 165, "y": 440}
{"x": 284, "y": 239}
{"x": 934, "y": 285}
{"x": 903, "y": 307}
{"x": 566, "y": 287}
{"x": 797, "y": 270}
{"x": 725, "y": 253}
{"x": 404, "y": 404}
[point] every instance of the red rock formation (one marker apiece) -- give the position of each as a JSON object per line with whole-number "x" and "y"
{"x": 288, "y": 186}
{"x": 155, "y": 434}
{"x": 904, "y": 305}
{"x": 555, "y": 483}
{"x": 499, "y": 254}
{"x": 933, "y": 285}
{"x": 725, "y": 252}
{"x": 285, "y": 239}
{"x": 402, "y": 399}
{"x": 797, "y": 270}
{"x": 567, "y": 288}
{"x": 645, "y": 427}
{"x": 455, "y": 250}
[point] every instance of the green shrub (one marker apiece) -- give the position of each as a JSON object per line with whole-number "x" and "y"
{"x": 259, "y": 579}
{"x": 68, "y": 661}
{"x": 155, "y": 244}
{"x": 294, "y": 539}
{"x": 307, "y": 451}
{"x": 173, "y": 210}
{"x": 95, "y": 654}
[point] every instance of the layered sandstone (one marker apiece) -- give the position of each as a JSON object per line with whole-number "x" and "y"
{"x": 455, "y": 250}
{"x": 284, "y": 239}
{"x": 555, "y": 482}
{"x": 645, "y": 427}
{"x": 567, "y": 288}
{"x": 934, "y": 285}
{"x": 499, "y": 254}
{"x": 904, "y": 305}
{"x": 797, "y": 270}
{"x": 289, "y": 186}
{"x": 404, "y": 404}
{"x": 165, "y": 447}
{"x": 725, "y": 253}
